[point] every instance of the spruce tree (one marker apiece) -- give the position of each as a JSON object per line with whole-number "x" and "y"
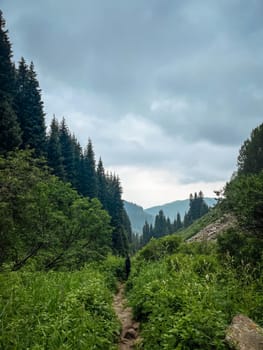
{"x": 89, "y": 177}
{"x": 115, "y": 207}
{"x": 102, "y": 184}
{"x": 250, "y": 159}
{"x": 67, "y": 151}
{"x": 146, "y": 234}
{"x": 160, "y": 225}
{"x": 10, "y": 132}
{"x": 29, "y": 109}
{"x": 77, "y": 162}
{"x": 179, "y": 224}
{"x": 54, "y": 154}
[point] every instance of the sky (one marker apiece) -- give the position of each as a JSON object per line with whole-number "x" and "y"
{"x": 167, "y": 90}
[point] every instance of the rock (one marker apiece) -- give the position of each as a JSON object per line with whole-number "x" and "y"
{"x": 244, "y": 334}
{"x": 130, "y": 333}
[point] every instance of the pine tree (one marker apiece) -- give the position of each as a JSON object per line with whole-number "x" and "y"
{"x": 54, "y": 154}
{"x": 10, "y": 132}
{"x": 250, "y": 159}
{"x": 146, "y": 234}
{"x": 179, "y": 224}
{"x": 67, "y": 151}
{"x": 115, "y": 207}
{"x": 29, "y": 109}
{"x": 77, "y": 163}
{"x": 160, "y": 225}
{"x": 89, "y": 176}
{"x": 197, "y": 209}
{"x": 102, "y": 184}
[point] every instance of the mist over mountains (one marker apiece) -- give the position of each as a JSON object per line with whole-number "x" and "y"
{"x": 138, "y": 215}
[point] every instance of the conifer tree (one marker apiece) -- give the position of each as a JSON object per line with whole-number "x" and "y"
{"x": 77, "y": 163}
{"x": 10, "y": 132}
{"x": 146, "y": 233}
{"x": 67, "y": 151}
{"x": 250, "y": 159}
{"x": 54, "y": 154}
{"x": 102, "y": 184}
{"x": 115, "y": 207}
{"x": 179, "y": 224}
{"x": 89, "y": 177}
{"x": 160, "y": 225}
{"x": 29, "y": 109}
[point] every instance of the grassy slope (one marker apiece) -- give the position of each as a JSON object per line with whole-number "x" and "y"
{"x": 185, "y": 295}
{"x": 209, "y": 218}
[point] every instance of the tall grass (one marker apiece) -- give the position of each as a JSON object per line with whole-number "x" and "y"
{"x": 186, "y": 300}
{"x": 58, "y": 310}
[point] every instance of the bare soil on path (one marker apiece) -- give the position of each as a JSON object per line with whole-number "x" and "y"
{"x": 130, "y": 329}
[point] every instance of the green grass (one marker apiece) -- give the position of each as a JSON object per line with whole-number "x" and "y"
{"x": 213, "y": 215}
{"x": 58, "y": 310}
{"x": 186, "y": 300}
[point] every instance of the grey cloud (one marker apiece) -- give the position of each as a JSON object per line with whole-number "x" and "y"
{"x": 191, "y": 69}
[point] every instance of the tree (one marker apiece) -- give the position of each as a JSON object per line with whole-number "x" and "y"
{"x": 146, "y": 234}
{"x": 54, "y": 154}
{"x": 244, "y": 196}
{"x": 102, "y": 184}
{"x": 67, "y": 151}
{"x": 160, "y": 225}
{"x": 197, "y": 209}
{"x": 10, "y": 132}
{"x": 250, "y": 159}
{"x": 115, "y": 207}
{"x": 179, "y": 224}
{"x": 29, "y": 109}
{"x": 42, "y": 216}
{"x": 89, "y": 176}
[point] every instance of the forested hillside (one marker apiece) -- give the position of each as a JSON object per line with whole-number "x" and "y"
{"x": 180, "y": 206}
{"x": 57, "y": 204}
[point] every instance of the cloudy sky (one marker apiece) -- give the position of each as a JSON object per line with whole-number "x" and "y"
{"x": 167, "y": 90}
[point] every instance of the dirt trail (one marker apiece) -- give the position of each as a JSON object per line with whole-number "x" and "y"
{"x": 130, "y": 329}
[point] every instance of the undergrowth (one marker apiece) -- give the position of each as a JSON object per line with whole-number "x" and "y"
{"x": 186, "y": 300}
{"x": 60, "y": 310}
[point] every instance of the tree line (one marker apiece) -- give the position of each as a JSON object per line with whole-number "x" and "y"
{"x": 54, "y": 156}
{"x": 163, "y": 226}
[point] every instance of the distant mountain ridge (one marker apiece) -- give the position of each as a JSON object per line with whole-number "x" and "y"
{"x": 180, "y": 206}
{"x": 138, "y": 215}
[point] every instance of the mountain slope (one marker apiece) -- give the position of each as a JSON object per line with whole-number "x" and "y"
{"x": 171, "y": 209}
{"x": 137, "y": 216}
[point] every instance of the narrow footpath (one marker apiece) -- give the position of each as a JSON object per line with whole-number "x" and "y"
{"x": 130, "y": 329}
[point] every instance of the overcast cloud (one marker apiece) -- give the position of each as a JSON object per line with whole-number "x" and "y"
{"x": 167, "y": 90}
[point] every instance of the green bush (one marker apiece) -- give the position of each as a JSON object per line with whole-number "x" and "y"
{"x": 186, "y": 301}
{"x": 159, "y": 248}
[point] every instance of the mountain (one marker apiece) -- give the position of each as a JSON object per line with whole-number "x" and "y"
{"x": 180, "y": 206}
{"x": 138, "y": 215}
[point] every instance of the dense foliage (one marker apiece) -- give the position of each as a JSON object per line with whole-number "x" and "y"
{"x": 250, "y": 159}
{"x": 244, "y": 197}
{"x": 60, "y": 310}
{"x": 22, "y": 126}
{"x": 186, "y": 295}
{"x": 43, "y": 217}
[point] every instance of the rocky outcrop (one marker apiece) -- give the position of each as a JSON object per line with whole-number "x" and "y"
{"x": 211, "y": 231}
{"x": 244, "y": 334}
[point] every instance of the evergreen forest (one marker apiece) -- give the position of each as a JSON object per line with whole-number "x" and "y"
{"x": 65, "y": 239}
